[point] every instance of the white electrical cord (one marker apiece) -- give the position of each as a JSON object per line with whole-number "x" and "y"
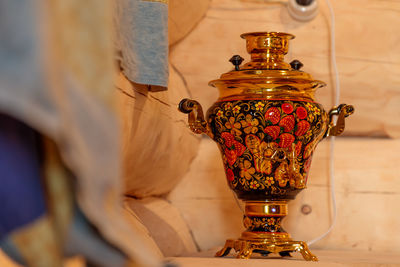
{"x": 332, "y": 138}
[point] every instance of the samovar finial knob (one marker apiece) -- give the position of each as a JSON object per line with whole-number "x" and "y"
{"x": 236, "y": 60}
{"x": 296, "y": 64}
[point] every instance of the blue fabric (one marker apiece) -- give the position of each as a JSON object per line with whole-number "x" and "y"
{"x": 142, "y": 40}
{"x": 21, "y": 193}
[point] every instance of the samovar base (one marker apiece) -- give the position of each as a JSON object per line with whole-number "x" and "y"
{"x": 245, "y": 248}
{"x": 264, "y": 234}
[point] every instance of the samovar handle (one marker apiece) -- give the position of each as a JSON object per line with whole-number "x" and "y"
{"x": 196, "y": 120}
{"x": 342, "y": 111}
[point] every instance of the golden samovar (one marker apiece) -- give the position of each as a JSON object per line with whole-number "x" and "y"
{"x": 266, "y": 124}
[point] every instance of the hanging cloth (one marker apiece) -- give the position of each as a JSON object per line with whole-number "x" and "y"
{"x": 142, "y": 41}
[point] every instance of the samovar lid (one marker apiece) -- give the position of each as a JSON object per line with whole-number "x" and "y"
{"x": 267, "y": 66}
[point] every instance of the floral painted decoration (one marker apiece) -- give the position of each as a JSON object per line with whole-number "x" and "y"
{"x": 267, "y": 144}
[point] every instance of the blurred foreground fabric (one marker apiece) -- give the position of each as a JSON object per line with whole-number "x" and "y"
{"x": 56, "y": 76}
{"x": 40, "y": 221}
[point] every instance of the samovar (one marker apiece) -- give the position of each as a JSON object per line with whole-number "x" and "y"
{"x": 266, "y": 124}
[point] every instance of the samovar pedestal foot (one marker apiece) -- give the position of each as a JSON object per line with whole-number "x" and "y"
{"x": 264, "y": 234}
{"x": 245, "y": 248}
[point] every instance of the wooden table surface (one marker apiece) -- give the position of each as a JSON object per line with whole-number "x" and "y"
{"x": 328, "y": 258}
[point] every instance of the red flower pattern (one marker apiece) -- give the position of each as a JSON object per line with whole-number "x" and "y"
{"x": 229, "y": 175}
{"x": 297, "y": 148}
{"x": 286, "y": 140}
{"x": 301, "y": 113}
{"x": 272, "y": 131}
{"x": 302, "y": 127}
{"x": 287, "y": 123}
{"x": 286, "y": 128}
{"x": 287, "y": 108}
{"x": 273, "y": 115}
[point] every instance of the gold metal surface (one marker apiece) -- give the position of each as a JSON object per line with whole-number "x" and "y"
{"x": 265, "y": 237}
{"x": 342, "y": 111}
{"x": 267, "y": 50}
{"x": 245, "y": 248}
{"x": 265, "y": 242}
{"x": 267, "y": 75}
{"x": 262, "y": 208}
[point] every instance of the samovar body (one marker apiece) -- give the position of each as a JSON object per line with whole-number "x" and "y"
{"x": 266, "y": 124}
